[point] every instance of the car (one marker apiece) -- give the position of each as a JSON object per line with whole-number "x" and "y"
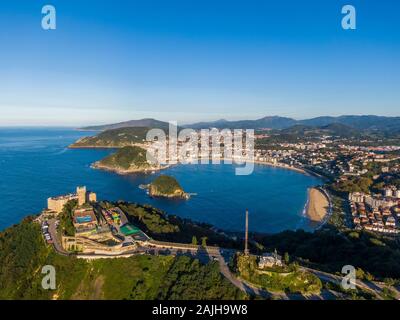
{"x": 126, "y": 244}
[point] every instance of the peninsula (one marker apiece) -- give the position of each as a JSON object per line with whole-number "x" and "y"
{"x": 113, "y": 138}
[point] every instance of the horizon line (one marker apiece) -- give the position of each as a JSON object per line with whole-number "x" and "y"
{"x": 76, "y": 126}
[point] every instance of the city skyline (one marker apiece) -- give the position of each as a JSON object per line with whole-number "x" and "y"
{"x": 184, "y": 62}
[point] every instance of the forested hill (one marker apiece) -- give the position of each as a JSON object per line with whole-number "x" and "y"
{"x": 115, "y": 138}
{"x": 23, "y": 253}
{"x": 148, "y": 123}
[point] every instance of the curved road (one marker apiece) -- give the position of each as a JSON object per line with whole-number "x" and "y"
{"x": 223, "y": 256}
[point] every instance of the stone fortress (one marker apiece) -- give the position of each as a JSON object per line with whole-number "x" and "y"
{"x": 56, "y": 204}
{"x": 96, "y": 230}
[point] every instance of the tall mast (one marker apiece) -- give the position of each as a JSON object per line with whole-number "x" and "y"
{"x": 246, "y": 249}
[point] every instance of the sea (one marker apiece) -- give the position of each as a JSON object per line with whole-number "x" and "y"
{"x": 35, "y": 163}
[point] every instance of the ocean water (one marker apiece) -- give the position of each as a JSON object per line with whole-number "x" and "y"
{"x": 36, "y": 164}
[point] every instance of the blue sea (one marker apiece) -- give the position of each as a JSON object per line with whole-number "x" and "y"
{"x": 36, "y": 164}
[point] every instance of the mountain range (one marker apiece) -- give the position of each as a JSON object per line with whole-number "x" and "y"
{"x": 364, "y": 122}
{"x": 367, "y": 122}
{"x": 147, "y": 122}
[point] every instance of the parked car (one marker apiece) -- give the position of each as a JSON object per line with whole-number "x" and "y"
{"x": 126, "y": 244}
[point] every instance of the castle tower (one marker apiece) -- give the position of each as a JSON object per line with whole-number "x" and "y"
{"x": 81, "y": 192}
{"x": 246, "y": 249}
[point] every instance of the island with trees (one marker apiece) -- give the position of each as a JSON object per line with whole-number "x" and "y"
{"x": 166, "y": 187}
{"x": 127, "y": 160}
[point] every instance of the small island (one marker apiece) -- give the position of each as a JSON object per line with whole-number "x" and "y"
{"x": 127, "y": 160}
{"x": 166, "y": 187}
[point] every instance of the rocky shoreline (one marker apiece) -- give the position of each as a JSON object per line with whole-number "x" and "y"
{"x": 97, "y": 165}
{"x": 177, "y": 195}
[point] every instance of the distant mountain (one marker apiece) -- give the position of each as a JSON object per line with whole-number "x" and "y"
{"x": 368, "y": 122}
{"x": 333, "y": 129}
{"x": 273, "y": 122}
{"x": 148, "y": 123}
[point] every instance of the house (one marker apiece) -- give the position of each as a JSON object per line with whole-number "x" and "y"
{"x": 268, "y": 260}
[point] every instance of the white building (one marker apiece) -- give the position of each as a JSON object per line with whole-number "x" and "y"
{"x": 268, "y": 260}
{"x": 388, "y": 192}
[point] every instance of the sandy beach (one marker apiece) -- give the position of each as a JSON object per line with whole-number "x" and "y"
{"x": 317, "y": 206}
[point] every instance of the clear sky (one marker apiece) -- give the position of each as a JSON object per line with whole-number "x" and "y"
{"x": 192, "y": 60}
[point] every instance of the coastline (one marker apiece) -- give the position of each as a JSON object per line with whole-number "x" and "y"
{"x": 276, "y": 165}
{"x": 284, "y": 166}
{"x": 318, "y": 205}
{"x": 98, "y": 166}
{"x": 91, "y": 147}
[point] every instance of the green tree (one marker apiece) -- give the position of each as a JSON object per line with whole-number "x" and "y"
{"x": 194, "y": 240}
{"x": 66, "y": 218}
{"x": 286, "y": 258}
{"x": 204, "y": 242}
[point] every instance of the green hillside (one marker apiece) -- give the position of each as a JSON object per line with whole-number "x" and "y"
{"x": 115, "y": 138}
{"x": 126, "y": 158}
{"x": 23, "y": 253}
{"x": 166, "y": 186}
{"x": 148, "y": 122}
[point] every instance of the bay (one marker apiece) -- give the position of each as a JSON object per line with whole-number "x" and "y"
{"x": 35, "y": 164}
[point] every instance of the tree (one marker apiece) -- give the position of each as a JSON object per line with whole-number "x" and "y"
{"x": 194, "y": 240}
{"x": 286, "y": 258}
{"x": 66, "y": 218}
{"x": 204, "y": 242}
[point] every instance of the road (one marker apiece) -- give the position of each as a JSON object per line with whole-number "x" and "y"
{"x": 223, "y": 257}
{"x": 374, "y": 287}
{"x": 56, "y": 238}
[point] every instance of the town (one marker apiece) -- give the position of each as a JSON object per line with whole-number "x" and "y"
{"x": 365, "y": 176}
{"x": 363, "y": 172}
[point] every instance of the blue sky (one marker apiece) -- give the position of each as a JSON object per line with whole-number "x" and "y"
{"x": 195, "y": 60}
